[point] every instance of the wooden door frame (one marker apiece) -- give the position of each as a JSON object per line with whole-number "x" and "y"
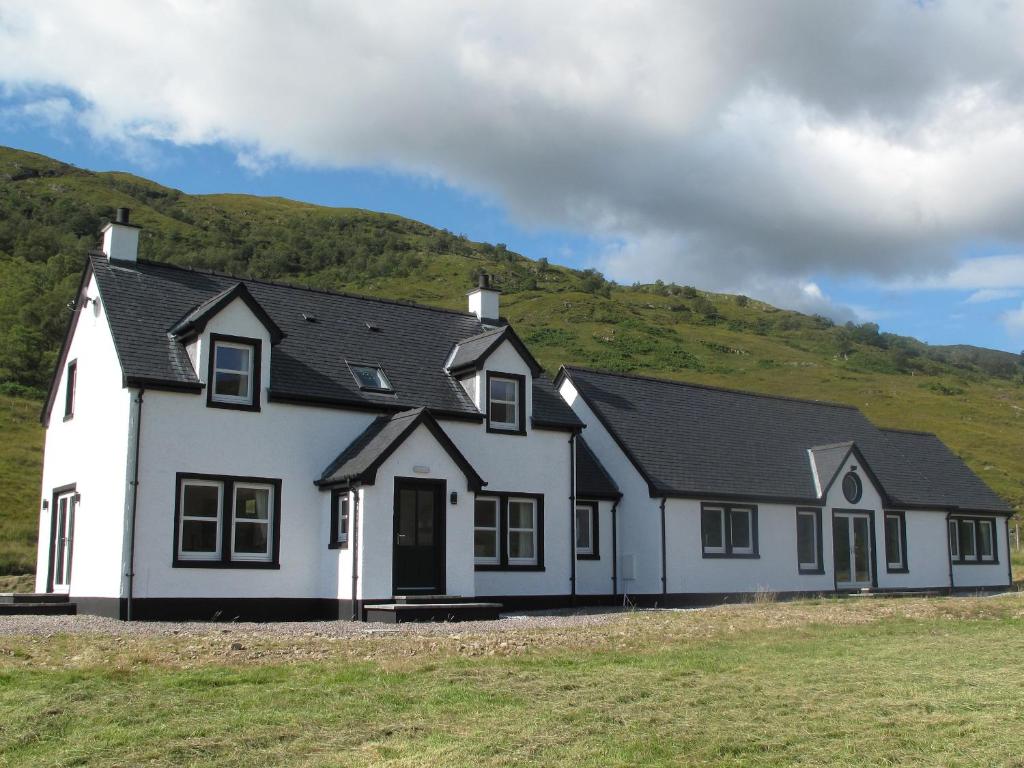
{"x": 62, "y": 490}
{"x": 440, "y": 488}
{"x": 873, "y": 564}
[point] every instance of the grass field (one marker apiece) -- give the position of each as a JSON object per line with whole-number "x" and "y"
{"x": 879, "y": 682}
{"x": 21, "y": 462}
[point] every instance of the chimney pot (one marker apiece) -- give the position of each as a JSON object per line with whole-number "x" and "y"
{"x": 483, "y": 280}
{"x": 123, "y": 214}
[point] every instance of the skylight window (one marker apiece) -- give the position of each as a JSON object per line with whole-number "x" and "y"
{"x": 371, "y": 378}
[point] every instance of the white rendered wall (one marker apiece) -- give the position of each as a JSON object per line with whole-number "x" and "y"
{"x": 594, "y": 577}
{"x": 89, "y": 450}
{"x": 639, "y": 569}
{"x": 287, "y": 442}
{"x": 376, "y": 545}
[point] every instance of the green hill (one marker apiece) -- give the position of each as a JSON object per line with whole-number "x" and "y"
{"x": 50, "y": 213}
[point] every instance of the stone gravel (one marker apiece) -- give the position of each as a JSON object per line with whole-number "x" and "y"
{"x": 83, "y": 624}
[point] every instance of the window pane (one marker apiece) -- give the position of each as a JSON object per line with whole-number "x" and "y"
{"x": 252, "y": 503}
{"x": 740, "y": 528}
{"x": 520, "y": 514}
{"x": 893, "y": 541}
{"x": 200, "y": 501}
{"x": 407, "y": 517}
{"x": 954, "y": 539}
{"x": 425, "y": 518}
{"x": 503, "y": 389}
{"x": 711, "y": 529}
{"x": 232, "y": 384}
{"x": 583, "y": 528}
{"x": 370, "y": 377}
{"x": 503, "y": 413}
{"x": 342, "y": 533}
{"x": 985, "y": 534}
{"x": 520, "y": 544}
{"x": 485, "y": 513}
{"x": 485, "y": 544}
{"x": 251, "y": 538}
{"x": 232, "y": 358}
{"x": 967, "y": 549}
{"x": 806, "y": 539}
{"x": 198, "y": 536}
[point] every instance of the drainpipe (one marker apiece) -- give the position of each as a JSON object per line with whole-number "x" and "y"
{"x": 615, "y": 553}
{"x": 354, "y": 535}
{"x": 132, "y": 512}
{"x": 1009, "y": 565}
{"x": 949, "y": 554}
{"x": 664, "y": 556}
{"x": 572, "y": 517}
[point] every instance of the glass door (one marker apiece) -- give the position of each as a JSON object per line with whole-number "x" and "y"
{"x": 63, "y": 528}
{"x": 851, "y": 541}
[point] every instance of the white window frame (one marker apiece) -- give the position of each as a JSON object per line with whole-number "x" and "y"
{"x": 953, "y": 531}
{"x": 748, "y": 550}
{"x": 589, "y": 511}
{"x": 709, "y": 550}
{"x": 233, "y": 399}
{"x": 344, "y": 502}
{"x": 496, "y": 529}
{"x": 973, "y": 539}
{"x": 532, "y": 530}
{"x": 813, "y": 515}
{"x": 514, "y": 402}
{"x": 891, "y": 564}
{"x": 252, "y": 557}
{"x": 184, "y": 554}
{"x": 992, "y": 540}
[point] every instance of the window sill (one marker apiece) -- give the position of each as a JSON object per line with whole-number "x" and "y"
{"x": 338, "y": 545}
{"x": 499, "y": 567}
{"x": 811, "y": 571}
{"x": 500, "y": 431}
{"x": 896, "y": 570}
{"x": 211, "y": 403}
{"x": 69, "y": 417}
{"x": 975, "y": 562}
{"x": 730, "y": 556}
{"x": 595, "y": 556}
{"x": 253, "y": 564}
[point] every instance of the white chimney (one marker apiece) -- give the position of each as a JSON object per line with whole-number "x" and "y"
{"x": 483, "y": 300}
{"x": 121, "y": 239}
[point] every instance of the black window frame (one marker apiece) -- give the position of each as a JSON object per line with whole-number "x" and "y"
{"x": 388, "y": 390}
{"x": 818, "y": 542}
{"x": 860, "y": 487}
{"x": 520, "y": 382}
{"x": 70, "y": 389}
{"x": 902, "y": 518}
{"x": 503, "y": 564}
{"x": 959, "y": 559}
{"x": 595, "y": 527}
{"x": 226, "y": 513}
{"x": 255, "y": 386}
{"x": 337, "y": 495}
{"x": 727, "y": 545}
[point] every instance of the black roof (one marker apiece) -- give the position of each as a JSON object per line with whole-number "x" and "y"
{"x": 471, "y": 353}
{"x": 592, "y": 480}
{"x": 361, "y": 459}
{"x": 697, "y": 441}
{"x": 320, "y": 333}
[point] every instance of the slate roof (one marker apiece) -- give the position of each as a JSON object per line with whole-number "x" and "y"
{"x": 145, "y": 301}
{"x": 828, "y": 460}
{"x": 696, "y": 441}
{"x": 359, "y": 461}
{"x": 470, "y": 354}
{"x": 592, "y": 480}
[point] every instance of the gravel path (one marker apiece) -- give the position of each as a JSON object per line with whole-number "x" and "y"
{"x": 82, "y": 624}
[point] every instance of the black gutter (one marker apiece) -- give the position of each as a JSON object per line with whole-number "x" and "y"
{"x": 134, "y": 511}
{"x": 664, "y": 556}
{"x": 615, "y": 552}
{"x": 354, "y": 549}
{"x": 572, "y": 517}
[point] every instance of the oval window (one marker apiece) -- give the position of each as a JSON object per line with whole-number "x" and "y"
{"x": 852, "y": 488}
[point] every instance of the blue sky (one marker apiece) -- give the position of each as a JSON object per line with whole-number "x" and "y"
{"x": 875, "y": 177}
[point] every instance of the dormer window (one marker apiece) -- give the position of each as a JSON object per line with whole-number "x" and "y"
{"x": 505, "y": 403}
{"x": 234, "y": 373}
{"x": 371, "y": 378}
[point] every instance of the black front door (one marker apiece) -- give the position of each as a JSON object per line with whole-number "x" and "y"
{"x": 419, "y": 537}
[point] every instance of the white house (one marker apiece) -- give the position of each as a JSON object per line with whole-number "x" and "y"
{"x": 219, "y": 447}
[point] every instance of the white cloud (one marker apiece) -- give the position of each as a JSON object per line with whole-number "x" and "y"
{"x": 1013, "y": 321}
{"x": 711, "y": 141}
{"x": 49, "y": 111}
{"x": 987, "y": 295}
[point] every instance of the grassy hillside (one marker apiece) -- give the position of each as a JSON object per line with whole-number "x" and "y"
{"x": 49, "y": 214}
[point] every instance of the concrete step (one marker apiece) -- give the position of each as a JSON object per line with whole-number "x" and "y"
{"x": 32, "y": 597}
{"x": 422, "y": 599}
{"x": 396, "y": 613}
{"x": 38, "y": 609}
